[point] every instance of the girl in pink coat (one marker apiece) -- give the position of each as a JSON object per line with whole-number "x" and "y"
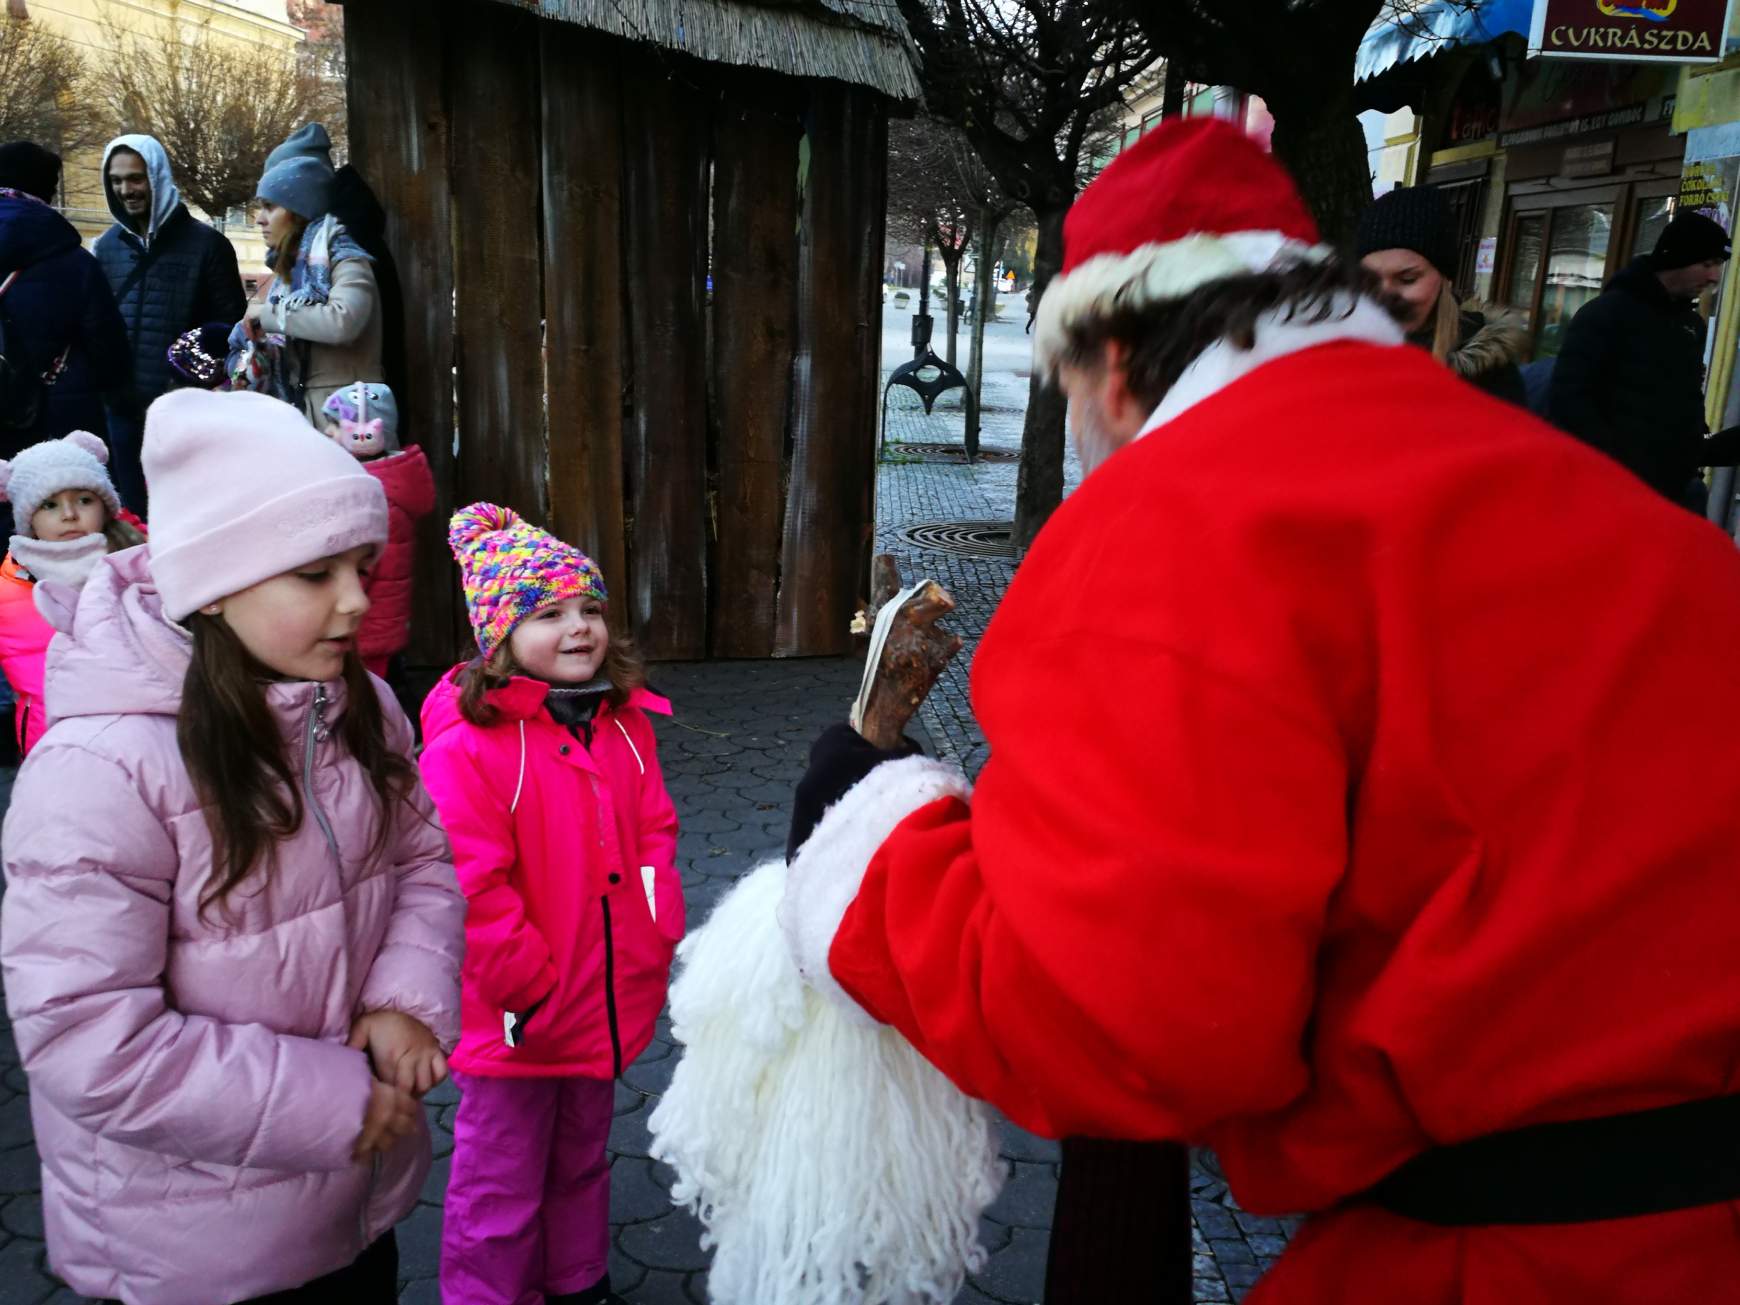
{"x": 542, "y": 761}
{"x": 66, "y": 517}
{"x": 231, "y": 932}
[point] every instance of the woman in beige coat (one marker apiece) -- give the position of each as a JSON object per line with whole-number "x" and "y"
{"x": 322, "y": 298}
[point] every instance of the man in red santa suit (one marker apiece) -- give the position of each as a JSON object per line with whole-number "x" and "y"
{"x": 1354, "y": 803}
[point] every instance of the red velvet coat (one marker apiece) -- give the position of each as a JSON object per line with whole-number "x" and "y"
{"x": 410, "y": 496}
{"x": 1357, "y": 783}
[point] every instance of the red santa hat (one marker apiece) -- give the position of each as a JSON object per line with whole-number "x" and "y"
{"x": 1194, "y": 201}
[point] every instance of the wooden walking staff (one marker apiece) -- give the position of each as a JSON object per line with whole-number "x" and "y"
{"x": 908, "y": 651}
{"x": 1121, "y": 1225}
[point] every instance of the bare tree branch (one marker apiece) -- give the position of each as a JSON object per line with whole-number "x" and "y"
{"x": 43, "y": 92}
{"x": 218, "y": 106}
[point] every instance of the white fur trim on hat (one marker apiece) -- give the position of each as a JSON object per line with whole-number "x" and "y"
{"x": 1153, "y": 274}
{"x": 76, "y": 461}
{"x": 829, "y": 867}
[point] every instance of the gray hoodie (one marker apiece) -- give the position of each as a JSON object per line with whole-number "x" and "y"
{"x": 165, "y": 195}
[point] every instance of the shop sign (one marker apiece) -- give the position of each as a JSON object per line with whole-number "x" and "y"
{"x": 1644, "y": 31}
{"x": 1606, "y": 121}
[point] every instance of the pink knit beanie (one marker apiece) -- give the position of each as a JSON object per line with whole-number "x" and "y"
{"x": 243, "y": 489}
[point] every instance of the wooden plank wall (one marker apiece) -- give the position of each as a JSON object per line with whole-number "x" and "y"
{"x": 399, "y": 142}
{"x": 497, "y": 263}
{"x": 829, "y": 526}
{"x": 585, "y": 376}
{"x": 532, "y": 169}
{"x": 756, "y": 138}
{"x": 665, "y": 195}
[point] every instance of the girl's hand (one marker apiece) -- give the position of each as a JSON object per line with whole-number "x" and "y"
{"x": 392, "y": 1114}
{"x": 251, "y": 322}
{"x": 402, "y": 1050}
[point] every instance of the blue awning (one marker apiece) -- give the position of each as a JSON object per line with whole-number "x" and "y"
{"x": 1435, "y": 26}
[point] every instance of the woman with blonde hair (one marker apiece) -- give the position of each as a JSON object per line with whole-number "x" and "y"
{"x": 1408, "y": 244}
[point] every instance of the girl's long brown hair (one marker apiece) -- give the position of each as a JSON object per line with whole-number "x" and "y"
{"x": 245, "y": 780}
{"x": 622, "y": 664}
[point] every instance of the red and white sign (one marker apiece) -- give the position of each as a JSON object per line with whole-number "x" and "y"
{"x": 1640, "y": 31}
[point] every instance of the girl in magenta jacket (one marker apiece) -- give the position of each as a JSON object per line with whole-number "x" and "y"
{"x": 231, "y": 932}
{"x": 544, "y": 766}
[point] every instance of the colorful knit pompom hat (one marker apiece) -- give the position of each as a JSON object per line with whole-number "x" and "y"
{"x": 509, "y": 569}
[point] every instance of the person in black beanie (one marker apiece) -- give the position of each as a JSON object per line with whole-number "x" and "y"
{"x": 1630, "y": 376}
{"x": 1407, "y": 241}
{"x": 26, "y": 166}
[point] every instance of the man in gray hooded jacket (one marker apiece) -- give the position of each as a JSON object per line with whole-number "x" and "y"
{"x": 170, "y": 273}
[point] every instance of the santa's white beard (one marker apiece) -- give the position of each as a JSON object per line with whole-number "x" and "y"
{"x": 1093, "y": 442}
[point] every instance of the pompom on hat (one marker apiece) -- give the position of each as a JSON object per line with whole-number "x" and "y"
{"x": 243, "y": 489}
{"x": 1194, "y": 201}
{"x": 76, "y": 461}
{"x": 509, "y": 569}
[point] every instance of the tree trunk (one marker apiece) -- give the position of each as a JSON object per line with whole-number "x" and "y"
{"x": 918, "y": 350}
{"x": 1172, "y": 98}
{"x": 954, "y": 318}
{"x": 984, "y": 292}
{"x": 1320, "y": 142}
{"x": 1039, "y": 485}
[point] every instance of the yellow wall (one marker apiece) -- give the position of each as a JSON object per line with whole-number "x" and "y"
{"x": 82, "y": 22}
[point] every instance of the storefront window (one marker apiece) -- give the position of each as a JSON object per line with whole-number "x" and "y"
{"x": 1576, "y": 263}
{"x": 1531, "y": 234}
{"x": 1653, "y": 215}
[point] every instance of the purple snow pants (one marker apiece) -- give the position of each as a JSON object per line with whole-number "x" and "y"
{"x": 528, "y": 1204}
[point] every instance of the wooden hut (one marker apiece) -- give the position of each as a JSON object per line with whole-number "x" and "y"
{"x": 640, "y": 246}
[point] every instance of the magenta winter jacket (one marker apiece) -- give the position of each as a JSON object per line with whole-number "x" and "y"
{"x": 556, "y": 846}
{"x": 193, "y": 1099}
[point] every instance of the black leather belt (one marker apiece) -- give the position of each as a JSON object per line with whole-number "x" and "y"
{"x": 1612, "y": 1167}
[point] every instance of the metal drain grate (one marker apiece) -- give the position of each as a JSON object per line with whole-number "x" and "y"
{"x": 963, "y": 538}
{"x": 953, "y": 452}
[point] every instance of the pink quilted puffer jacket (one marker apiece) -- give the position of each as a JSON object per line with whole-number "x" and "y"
{"x": 193, "y": 1099}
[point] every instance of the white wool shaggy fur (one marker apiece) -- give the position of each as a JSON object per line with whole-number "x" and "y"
{"x": 1152, "y": 274}
{"x": 830, "y": 1163}
{"x": 830, "y": 866}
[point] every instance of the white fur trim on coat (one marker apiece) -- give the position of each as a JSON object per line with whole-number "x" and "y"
{"x": 1152, "y": 274}
{"x": 1276, "y": 336}
{"x": 829, "y": 868}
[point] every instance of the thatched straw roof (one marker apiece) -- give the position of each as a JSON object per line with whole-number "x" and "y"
{"x": 860, "y": 41}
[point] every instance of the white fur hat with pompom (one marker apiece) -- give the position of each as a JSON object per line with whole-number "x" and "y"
{"x": 77, "y": 461}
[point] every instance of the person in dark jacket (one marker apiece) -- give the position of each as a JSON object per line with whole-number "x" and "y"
{"x": 59, "y": 314}
{"x": 1407, "y": 242}
{"x": 170, "y": 272}
{"x": 1630, "y": 377}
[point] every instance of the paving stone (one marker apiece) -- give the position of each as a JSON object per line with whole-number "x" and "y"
{"x": 628, "y": 1132}
{"x": 1215, "y": 1222}
{"x": 1271, "y": 1247}
{"x": 660, "y": 1287}
{"x": 1231, "y": 1250}
{"x": 419, "y": 1235}
{"x": 421, "y": 1291}
{"x": 625, "y": 1275}
{"x": 20, "y": 1171}
{"x": 24, "y": 1279}
{"x": 637, "y": 1194}
{"x": 435, "y": 1185}
{"x": 22, "y": 1217}
{"x": 14, "y": 1122}
{"x": 1027, "y": 1197}
{"x": 671, "y": 1242}
{"x": 652, "y": 1078}
{"x": 1241, "y": 1275}
{"x": 1018, "y": 1144}
{"x": 1209, "y": 1289}
{"x": 1016, "y": 1273}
